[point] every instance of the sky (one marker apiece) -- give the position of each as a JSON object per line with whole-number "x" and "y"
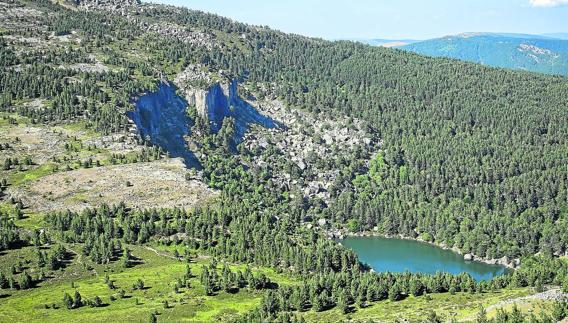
{"x": 392, "y": 19}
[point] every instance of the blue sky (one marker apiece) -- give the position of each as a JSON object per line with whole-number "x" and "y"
{"x": 392, "y": 19}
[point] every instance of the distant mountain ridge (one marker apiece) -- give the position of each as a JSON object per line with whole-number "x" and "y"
{"x": 535, "y": 53}
{"x": 386, "y": 42}
{"x": 557, "y": 35}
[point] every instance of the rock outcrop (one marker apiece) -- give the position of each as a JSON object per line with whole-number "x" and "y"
{"x": 161, "y": 117}
{"x": 110, "y": 5}
{"x": 132, "y": 10}
{"x": 222, "y": 100}
{"x": 310, "y": 142}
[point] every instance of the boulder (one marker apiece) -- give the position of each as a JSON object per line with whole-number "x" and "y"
{"x": 504, "y": 261}
{"x": 468, "y": 257}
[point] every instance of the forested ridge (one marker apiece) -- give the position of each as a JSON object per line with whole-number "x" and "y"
{"x": 470, "y": 157}
{"x": 482, "y": 151}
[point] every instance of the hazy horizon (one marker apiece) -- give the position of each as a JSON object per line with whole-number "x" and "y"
{"x": 410, "y": 19}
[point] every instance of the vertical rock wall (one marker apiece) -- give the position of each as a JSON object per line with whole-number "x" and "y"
{"x": 161, "y": 118}
{"x": 222, "y": 100}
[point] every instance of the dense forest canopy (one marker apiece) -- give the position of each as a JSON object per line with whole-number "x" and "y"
{"x": 482, "y": 150}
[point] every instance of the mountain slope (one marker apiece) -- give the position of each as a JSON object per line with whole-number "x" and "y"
{"x": 515, "y": 51}
{"x": 298, "y": 140}
{"x": 557, "y": 35}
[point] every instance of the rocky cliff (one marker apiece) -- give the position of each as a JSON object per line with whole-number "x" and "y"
{"x": 222, "y": 100}
{"x": 161, "y": 118}
{"x": 309, "y": 142}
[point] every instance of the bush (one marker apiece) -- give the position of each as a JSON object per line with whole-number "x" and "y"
{"x": 139, "y": 284}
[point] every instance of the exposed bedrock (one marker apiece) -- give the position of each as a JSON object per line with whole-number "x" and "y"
{"x": 161, "y": 117}
{"x": 222, "y": 100}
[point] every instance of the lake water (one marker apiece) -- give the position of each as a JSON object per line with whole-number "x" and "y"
{"x": 400, "y": 255}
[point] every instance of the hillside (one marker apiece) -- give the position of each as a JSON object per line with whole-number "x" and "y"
{"x": 161, "y": 163}
{"x": 515, "y": 51}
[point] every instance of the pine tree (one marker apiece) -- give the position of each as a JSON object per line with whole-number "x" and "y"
{"x": 481, "y": 316}
{"x": 126, "y": 258}
{"x": 342, "y": 302}
{"x": 416, "y": 287}
{"x": 97, "y": 302}
{"x": 77, "y": 301}
{"x": 67, "y": 301}
{"x": 3, "y": 281}
{"x": 432, "y": 318}
{"x": 394, "y": 292}
{"x": 26, "y": 281}
{"x": 139, "y": 284}
{"x": 270, "y": 303}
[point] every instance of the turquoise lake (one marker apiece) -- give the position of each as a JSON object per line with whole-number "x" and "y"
{"x": 400, "y": 255}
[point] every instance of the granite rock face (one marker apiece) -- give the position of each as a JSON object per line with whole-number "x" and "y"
{"x": 161, "y": 117}
{"x": 222, "y": 100}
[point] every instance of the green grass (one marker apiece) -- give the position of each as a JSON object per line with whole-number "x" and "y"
{"x": 158, "y": 273}
{"x": 7, "y": 208}
{"x": 530, "y": 306}
{"x": 30, "y": 221}
{"x": 19, "y": 118}
{"x": 33, "y": 173}
{"x": 80, "y": 127}
{"x": 280, "y": 278}
{"x": 231, "y": 40}
{"x": 460, "y": 306}
{"x": 15, "y": 257}
{"x": 4, "y": 123}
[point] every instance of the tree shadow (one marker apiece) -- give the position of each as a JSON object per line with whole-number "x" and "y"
{"x": 233, "y": 290}
{"x": 17, "y": 245}
{"x": 350, "y": 309}
{"x": 135, "y": 261}
{"x": 67, "y": 260}
{"x": 271, "y": 285}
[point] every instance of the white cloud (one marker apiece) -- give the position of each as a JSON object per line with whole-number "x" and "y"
{"x": 547, "y": 3}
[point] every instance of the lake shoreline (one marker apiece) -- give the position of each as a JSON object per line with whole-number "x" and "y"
{"x": 504, "y": 261}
